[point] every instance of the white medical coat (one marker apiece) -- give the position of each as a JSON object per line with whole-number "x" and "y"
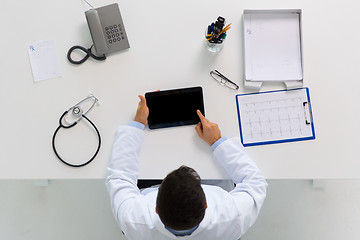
{"x": 228, "y": 214}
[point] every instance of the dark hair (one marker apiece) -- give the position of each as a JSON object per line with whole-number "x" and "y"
{"x": 181, "y": 201}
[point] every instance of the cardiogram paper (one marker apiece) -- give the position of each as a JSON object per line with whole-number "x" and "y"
{"x": 274, "y": 116}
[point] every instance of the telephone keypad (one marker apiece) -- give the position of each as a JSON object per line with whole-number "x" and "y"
{"x": 113, "y": 33}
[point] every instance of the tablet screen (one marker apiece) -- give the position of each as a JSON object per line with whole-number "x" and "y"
{"x": 174, "y": 107}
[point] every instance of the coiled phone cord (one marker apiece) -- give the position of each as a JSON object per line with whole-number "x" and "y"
{"x": 70, "y": 126}
{"x": 88, "y": 54}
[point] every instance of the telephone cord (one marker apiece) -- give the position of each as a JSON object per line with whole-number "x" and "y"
{"x": 88, "y": 54}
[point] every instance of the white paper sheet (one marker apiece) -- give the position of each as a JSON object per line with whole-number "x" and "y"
{"x": 44, "y": 60}
{"x": 274, "y": 116}
{"x": 272, "y": 47}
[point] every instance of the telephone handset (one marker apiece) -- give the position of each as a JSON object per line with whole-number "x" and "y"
{"x": 107, "y": 32}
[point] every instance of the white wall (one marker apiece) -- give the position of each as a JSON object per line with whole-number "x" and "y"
{"x": 80, "y": 210}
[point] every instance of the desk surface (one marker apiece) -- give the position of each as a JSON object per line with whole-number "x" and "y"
{"x": 167, "y": 51}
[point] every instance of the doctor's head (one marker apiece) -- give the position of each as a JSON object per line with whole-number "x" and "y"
{"x": 181, "y": 202}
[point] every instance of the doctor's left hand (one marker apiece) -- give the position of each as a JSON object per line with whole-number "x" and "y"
{"x": 142, "y": 112}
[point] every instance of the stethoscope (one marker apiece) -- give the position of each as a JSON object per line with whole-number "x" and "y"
{"x": 69, "y": 119}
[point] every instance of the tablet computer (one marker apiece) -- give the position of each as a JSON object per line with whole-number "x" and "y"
{"x": 176, "y": 107}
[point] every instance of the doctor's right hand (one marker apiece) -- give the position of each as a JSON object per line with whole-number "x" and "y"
{"x": 142, "y": 112}
{"x": 207, "y": 131}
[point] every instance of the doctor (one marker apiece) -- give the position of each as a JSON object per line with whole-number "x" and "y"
{"x": 181, "y": 206}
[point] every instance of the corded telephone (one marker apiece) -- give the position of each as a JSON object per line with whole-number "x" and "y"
{"x": 107, "y": 29}
{"x": 107, "y": 32}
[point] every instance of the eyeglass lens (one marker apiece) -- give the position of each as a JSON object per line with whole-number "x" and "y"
{"x": 221, "y": 80}
{"x": 231, "y": 85}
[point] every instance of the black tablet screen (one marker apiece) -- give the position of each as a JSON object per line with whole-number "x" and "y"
{"x": 174, "y": 107}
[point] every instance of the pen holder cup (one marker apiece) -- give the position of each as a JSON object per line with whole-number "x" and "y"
{"x": 213, "y": 46}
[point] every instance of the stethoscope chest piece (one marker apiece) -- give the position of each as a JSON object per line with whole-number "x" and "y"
{"x": 77, "y": 111}
{"x": 70, "y": 118}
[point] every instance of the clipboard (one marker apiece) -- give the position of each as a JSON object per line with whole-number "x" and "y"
{"x": 275, "y": 117}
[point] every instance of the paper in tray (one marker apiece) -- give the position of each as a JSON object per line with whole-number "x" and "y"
{"x": 272, "y": 46}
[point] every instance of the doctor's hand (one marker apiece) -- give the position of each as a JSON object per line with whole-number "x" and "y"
{"x": 142, "y": 112}
{"x": 207, "y": 131}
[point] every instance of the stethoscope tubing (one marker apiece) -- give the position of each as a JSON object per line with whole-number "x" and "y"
{"x": 61, "y": 125}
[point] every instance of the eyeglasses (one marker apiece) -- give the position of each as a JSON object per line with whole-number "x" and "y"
{"x": 223, "y": 80}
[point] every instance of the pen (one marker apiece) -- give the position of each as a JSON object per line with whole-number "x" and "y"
{"x": 225, "y": 29}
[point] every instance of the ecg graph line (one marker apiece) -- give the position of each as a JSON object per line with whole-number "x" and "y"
{"x": 265, "y": 121}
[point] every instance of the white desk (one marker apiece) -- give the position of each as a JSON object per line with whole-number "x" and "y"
{"x": 167, "y": 52}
